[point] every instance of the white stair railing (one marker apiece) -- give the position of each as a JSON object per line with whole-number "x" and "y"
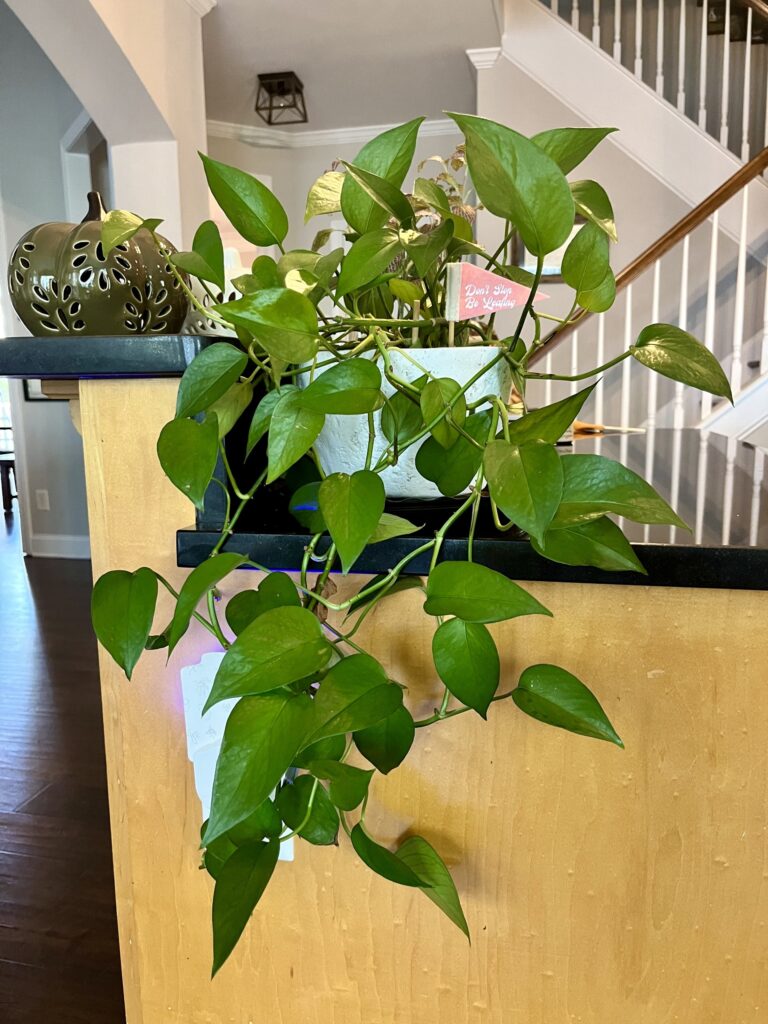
{"x": 707, "y": 58}
{"x": 698, "y": 277}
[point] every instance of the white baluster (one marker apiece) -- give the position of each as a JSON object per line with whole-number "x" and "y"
{"x": 575, "y": 14}
{"x": 701, "y": 486}
{"x": 726, "y": 84}
{"x": 548, "y": 383}
{"x": 617, "y": 31}
{"x": 741, "y": 281}
{"x": 681, "y": 61}
{"x": 704, "y": 452}
{"x": 758, "y": 475}
{"x": 703, "y": 66}
{"x": 626, "y": 383}
{"x": 678, "y": 416}
{"x": 596, "y": 22}
{"x": 639, "y": 39}
{"x": 555, "y": 5}
{"x": 574, "y": 362}
{"x": 747, "y": 91}
{"x": 709, "y": 319}
{"x": 599, "y": 391}
{"x": 730, "y": 466}
{"x": 653, "y": 395}
{"x": 660, "y": 49}
{"x": 764, "y": 346}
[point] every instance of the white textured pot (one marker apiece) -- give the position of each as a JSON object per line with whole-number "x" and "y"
{"x": 342, "y": 443}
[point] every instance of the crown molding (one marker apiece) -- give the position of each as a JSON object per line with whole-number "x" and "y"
{"x": 484, "y": 57}
{"x": 202, "y": 7}
{"x": 278, "y": 138}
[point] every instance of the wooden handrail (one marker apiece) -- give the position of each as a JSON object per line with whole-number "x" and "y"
{"x": 668, "y": 241}
{"x": 758, "y": 6}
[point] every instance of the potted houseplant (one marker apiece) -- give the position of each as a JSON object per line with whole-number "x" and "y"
{"x": 358, "y": 329}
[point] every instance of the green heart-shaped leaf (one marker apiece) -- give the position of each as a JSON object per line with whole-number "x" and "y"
{"x": 354, "y": 694}
{"x": 526, "y": 482}
{"x": 595, "y": 486}
{"x": 477, "y": 594}
{"x": 552, "y": 695}
{"x": 467, "y": 661}
{"x": 569, "y": 146}
{"x": 206, "y": 261}
{"x": 261, "y": 738}
{"x": 322, "y": 825}
{"x": 202, "y": 578}
{"x": 389, "y": 156}
{"x": 122, "y": 609}
{"x": 369, "y": 256}
{"x": 438, "y": 397}
{"x": 280, "y": 646}
{"x": 598, "y": 542}
{"x": 281, "y": 319}
{"x": 426, "y": 863}
{"x": 351, "y": 387}
{"x": 593, "y": 203}
{"x": 383, "y": 861}
{"x": 208, "y": 376}
{"x": 254, "y": 212}
{"x": 351, "y": 506}
{"x": 550, "y": 423}
{"x": 517, "y": 180}
{"x": 188, "y": 452}
{"x": 239, "y": 887}
{"x": 293, "y": 430}
{"x": 387, "y": 743}
{"x": 676, "y": 354}
{"x": 277, "y": 590}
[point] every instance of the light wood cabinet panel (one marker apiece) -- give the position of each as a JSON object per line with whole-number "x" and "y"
{"x": 600, "y": 885}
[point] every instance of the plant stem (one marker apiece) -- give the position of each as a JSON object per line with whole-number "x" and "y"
{"x": 211, "y": 601}
{"x": 175, "y": 595}
{"x": 225, "y": 534}
{"x": 438, "y": 717}
{"x": 580, "y": 376}
{"x": 302, "y": 824}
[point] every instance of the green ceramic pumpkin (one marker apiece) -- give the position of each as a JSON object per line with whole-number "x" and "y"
{"x": 60, "y": 281}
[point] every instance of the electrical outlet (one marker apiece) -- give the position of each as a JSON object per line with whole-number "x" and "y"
{"x": 42, "y": 501}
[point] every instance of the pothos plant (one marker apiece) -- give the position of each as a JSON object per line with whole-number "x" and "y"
{"x": 308, "y": 694}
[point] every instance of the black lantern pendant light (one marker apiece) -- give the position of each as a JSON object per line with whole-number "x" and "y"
{"x": 280, "y": 99}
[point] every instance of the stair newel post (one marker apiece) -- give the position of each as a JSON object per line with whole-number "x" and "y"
{"x": 747, "y": 92}
{"x": 681, "y": 60}
{"x": 703, "y": 65}
{"x": 726, "y": 84}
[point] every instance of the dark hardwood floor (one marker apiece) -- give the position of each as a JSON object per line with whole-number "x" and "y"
{"x": 59, "y": 957}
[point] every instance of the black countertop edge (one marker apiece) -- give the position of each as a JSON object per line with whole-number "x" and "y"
{"x": 68, "y": 357}
{"x": 668, "y": 565}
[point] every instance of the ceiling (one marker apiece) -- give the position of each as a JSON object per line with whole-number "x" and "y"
{"x": 361, "y": 61}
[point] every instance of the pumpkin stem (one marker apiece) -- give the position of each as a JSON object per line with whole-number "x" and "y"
{"x": 96, "y": 209}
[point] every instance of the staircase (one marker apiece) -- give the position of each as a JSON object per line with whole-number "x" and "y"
{"x": 686, "y": 83}
{"x": 707, "y": 59}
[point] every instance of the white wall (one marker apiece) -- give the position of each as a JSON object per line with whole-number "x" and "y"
{"x": 36, "y": 108}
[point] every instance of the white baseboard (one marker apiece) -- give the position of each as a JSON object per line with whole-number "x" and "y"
{"x": 58, "y": 545}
